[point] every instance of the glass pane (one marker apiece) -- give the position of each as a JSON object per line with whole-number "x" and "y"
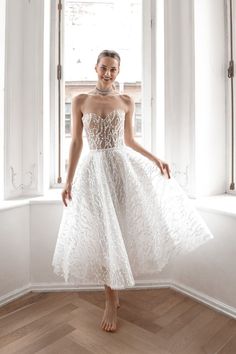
{"x": 68, "y": 108}
{"x": 88, "y": 31}
{"x": 68, "y": 126}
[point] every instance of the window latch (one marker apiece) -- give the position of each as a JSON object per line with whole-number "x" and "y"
{"x": 231, "y": 69}
{"x": 59, "y": 69}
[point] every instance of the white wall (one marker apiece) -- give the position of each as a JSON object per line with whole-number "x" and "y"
{"x": 211, "y": 268}
{"x": 44, "y": 224}
{"x": 14, "y": 249}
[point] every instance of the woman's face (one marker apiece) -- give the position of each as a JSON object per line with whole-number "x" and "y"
{"x": 107, "y": 70}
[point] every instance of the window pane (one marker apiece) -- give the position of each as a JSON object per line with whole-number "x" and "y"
{"x": 87, "y": 33}
{"x": 68, "y": 126}
{"x": 68, "y": 108}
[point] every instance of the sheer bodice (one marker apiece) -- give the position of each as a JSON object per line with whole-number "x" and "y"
{"x": 104, "y": 132}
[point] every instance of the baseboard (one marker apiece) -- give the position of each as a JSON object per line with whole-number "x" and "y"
{"x": 205, "y": 299}
{"x": 93, "y": 287}
{"x": 144, "y": 284}
{"x": 15, "y": 294}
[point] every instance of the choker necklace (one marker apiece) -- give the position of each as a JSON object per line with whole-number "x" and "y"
{"x": 103, "y": 92}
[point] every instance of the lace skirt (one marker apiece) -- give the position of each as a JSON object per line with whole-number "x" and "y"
{"x": 125, "y": 219}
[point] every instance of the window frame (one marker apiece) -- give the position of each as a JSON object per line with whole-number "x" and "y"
{"x": 228, "y": 100}
{"x": 148, "y": 92}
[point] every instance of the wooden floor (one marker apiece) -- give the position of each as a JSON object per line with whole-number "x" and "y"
{"x": 159, "y": 321}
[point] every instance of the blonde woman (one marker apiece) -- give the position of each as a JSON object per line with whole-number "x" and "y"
{"x": 124, "y": 215}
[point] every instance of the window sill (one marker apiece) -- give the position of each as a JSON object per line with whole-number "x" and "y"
{"x": 53, "y": 196}
{"x": 221, "y": 204}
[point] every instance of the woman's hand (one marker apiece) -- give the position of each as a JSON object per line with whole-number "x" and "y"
{"x": 164, "y": 167}
{"x": 66, "y": 193}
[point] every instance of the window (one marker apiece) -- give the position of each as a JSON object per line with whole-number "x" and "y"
{"x": 83, "y": 25}
{"x": 79, "y": 39}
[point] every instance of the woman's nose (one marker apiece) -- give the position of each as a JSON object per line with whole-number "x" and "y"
{"x": 107, "y": 72}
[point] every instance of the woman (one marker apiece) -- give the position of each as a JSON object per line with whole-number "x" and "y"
{"x": 125, "y": 216}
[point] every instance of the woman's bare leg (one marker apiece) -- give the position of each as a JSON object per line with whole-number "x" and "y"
{"x": 117, "y": 299}
{"x": 110, "y": 313}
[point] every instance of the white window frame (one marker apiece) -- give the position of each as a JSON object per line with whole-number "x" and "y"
{"x": 228, "y": 99}
{"x": 2, "y": 87}
{"x": 153, "y": 139}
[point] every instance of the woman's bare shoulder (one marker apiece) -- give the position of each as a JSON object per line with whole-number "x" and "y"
{"x": 128, "y": 101}
{"x": 126, "y": 97}
{"x": 81, "y": 97}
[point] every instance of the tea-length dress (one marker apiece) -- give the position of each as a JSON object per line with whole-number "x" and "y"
{"x": 125, "y": 218}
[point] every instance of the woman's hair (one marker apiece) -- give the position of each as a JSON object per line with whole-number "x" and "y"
{"x": 109, "y": 53}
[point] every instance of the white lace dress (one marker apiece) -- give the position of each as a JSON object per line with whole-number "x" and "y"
{"x": 125, "y": 218}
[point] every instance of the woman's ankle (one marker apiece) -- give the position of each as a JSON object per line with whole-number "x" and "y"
{"x": 110, "y": 294}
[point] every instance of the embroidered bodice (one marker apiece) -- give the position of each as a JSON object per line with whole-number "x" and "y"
{"x": 104, "y": 132}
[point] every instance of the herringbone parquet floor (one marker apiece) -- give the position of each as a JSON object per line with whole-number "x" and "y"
{"x": 151, "y": 321}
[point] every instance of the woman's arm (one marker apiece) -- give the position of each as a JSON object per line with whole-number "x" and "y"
{"x": 76, "y": 145}
{"x": 131, "y": 142}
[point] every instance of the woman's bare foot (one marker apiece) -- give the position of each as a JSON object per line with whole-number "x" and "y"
{"x": 109, "y": 319}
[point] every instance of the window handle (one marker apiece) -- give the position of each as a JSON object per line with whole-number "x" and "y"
{"x": 231, "y": 69}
